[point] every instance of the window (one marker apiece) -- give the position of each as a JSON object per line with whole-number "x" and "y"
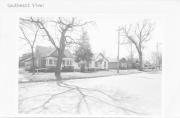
{"x": 67, "y": 62}
{"x": 55, "y": 62}
{"x": 63, "y": 62}
{"x": 79, "y": 65}
{"x": 96, "y": 64}
{"x": 70, "y": 62}
{"x": 50, "y": 61}
{"x": 105, "y": 64}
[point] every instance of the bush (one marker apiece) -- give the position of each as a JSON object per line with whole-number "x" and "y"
{"x": 68, "y": 69}
{"x": 91, "y": 69}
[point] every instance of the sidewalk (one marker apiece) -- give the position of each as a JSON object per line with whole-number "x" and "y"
{"x": 41, "y": 77}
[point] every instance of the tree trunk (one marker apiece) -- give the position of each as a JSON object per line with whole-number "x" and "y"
{"x": 58, "y": 66}
{"x": 33, "y": 62}
{"x": 60, "y": 52}
{"x": 88, "y": 66}
{"x": 140, "y": 61}
{"x": 82, "y": 67}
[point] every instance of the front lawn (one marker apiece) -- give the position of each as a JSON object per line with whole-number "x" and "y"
{"x": 133, "y": 94}
{"x": 28, "y": 77}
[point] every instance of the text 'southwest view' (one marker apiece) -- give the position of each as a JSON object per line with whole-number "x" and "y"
{"x": 101, "y": 65}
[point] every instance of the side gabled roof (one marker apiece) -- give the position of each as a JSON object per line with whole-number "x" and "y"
{"x": 43, "y": 51}
{"x": 67, "y": 54}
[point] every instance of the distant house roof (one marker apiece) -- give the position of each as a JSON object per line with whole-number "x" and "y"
{"x": 28, "y": 59}
{"x": 120, "y": 60}
{"x": 123, "y": 60}
{"x": 25, "y": 56}
{"x": 50, "y": 51}
{"x": 100, "y": 54}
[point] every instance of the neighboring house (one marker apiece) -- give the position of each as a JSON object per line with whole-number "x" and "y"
{"x": 113, "y": 63}
{"x": 46, "y": 58}
{"x": 123, "y": 63}
{"x": 98, "y": 62}
{"x": 23, "y": 58}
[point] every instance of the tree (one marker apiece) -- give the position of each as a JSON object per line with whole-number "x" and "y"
{"x": 64, "y": 28}
{"x": 139, "y": 35}
{"x": 156, "y": 58}
{"x": 83, "y": 53}
{"x": 30, "y": 36}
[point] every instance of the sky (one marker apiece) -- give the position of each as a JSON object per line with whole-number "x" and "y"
{"x": 104, "y": 37}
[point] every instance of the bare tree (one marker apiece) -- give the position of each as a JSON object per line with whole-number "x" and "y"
{"x": 65, "y": 26}
{"x": 30, "y": 38}
{"x": 156, "y": 58}
{"x": 139, "y": 35}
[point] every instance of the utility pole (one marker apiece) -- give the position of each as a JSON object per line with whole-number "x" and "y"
{"x": 118, "y": 64}
{"x": 157, "y": 55}
{"x": 131, "y": 49}
{"x": 157, "y": 51}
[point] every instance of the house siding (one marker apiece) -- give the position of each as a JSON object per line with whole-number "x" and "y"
{"x": 112, "y": 65}
{"x": 46, "y": 58}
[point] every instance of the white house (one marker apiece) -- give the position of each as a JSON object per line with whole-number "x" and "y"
{"x": 46, "y": 57}
{"x": 98, "y": 62}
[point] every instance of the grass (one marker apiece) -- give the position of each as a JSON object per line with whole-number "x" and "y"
{"x": 40, "y": 77}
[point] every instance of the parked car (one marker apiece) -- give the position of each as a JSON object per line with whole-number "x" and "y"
{"x": 149, "y": 67}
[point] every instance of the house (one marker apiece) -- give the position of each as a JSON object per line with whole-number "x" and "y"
{"x": 46, "y": 58}
{"x": 23, "y": 58}
{"x": 113, "y": 63}
{"x": 98, "y": 62}
{"x": 123, "y": 63}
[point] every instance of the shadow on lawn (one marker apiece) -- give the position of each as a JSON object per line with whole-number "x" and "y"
{"x": 85, "y": 96}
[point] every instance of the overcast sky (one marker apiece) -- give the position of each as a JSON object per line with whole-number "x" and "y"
{"x": 104, "y": 37}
